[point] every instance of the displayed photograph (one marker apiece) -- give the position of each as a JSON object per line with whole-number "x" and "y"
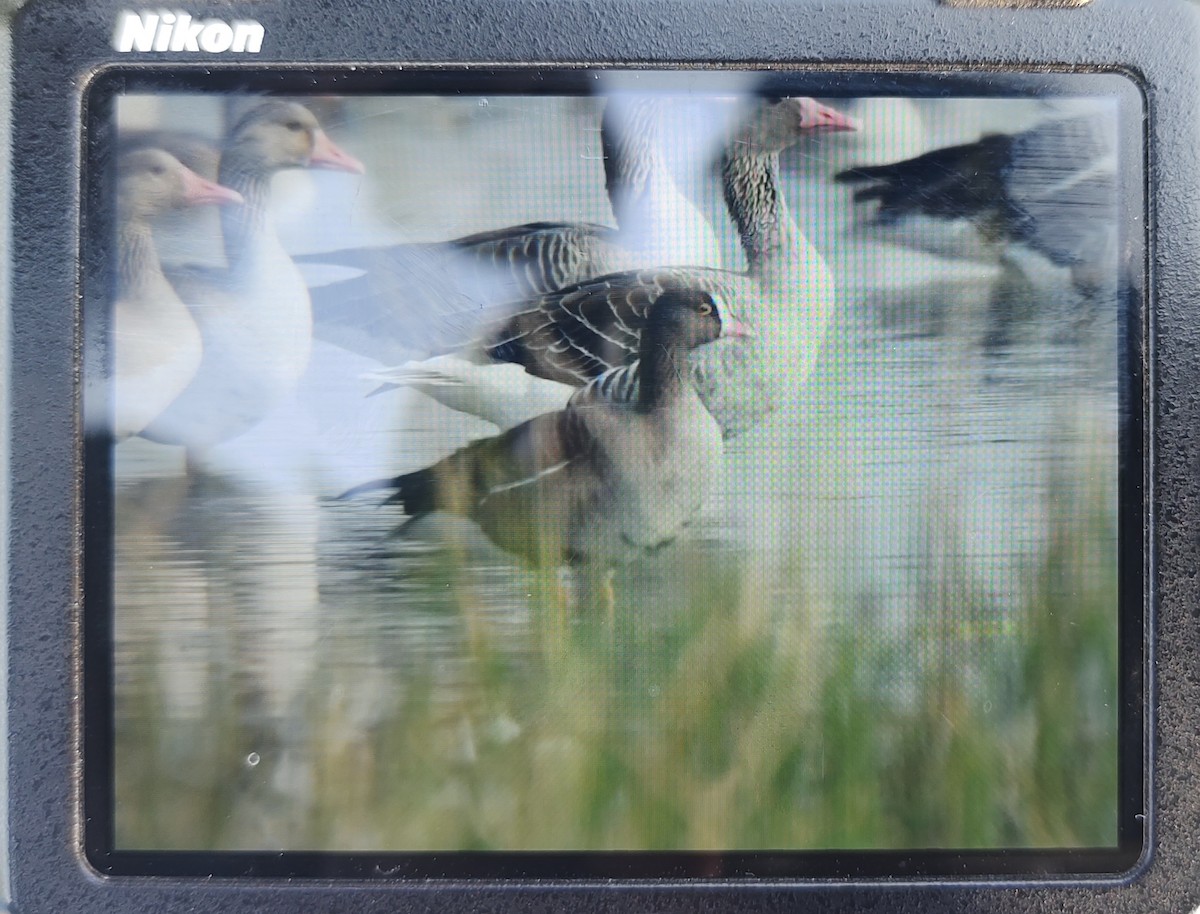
{"x": 685, "y": 466}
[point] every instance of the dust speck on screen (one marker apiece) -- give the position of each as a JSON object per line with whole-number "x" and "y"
{"x": 672, "y": 468}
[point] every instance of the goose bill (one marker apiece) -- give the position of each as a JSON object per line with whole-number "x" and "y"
{"x": 327, "y": 154}
{"x": 198, "y": 191}
{"x": 828, "y": 120}
{"x": 736, "y": 329}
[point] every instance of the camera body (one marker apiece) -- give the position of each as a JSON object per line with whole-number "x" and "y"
{"x": 67, "y": 54}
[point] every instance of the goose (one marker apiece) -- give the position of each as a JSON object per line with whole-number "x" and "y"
{"x": 403, "y": 286}
{"x": 156, "y": 344}
{"x": 255, "y": 316}
{"x": 574, "y": 334}
{"x": 570, "y": 335}
{"x": 1051, "y": 188}
{"x": 607, "y": 479}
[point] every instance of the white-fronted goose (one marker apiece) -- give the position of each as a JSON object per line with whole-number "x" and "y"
{"x": 156, "y": 345}
{"x": 255, "y": 316}
{"x": 603, "y": 481}
{"x": 577, "y": 333}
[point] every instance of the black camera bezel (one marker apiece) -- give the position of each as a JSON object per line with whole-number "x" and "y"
{"x": 54, "y": 66}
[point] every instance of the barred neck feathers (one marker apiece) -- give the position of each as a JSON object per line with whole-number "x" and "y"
{"x": 138, "y": 268}
{"x": 629, "y": 137}
{"x": 756, "y": 203}
{"x": 655, "y": 217}
{"x": 245, "y": 226}
{"x": 779, "y": 255}
{"x": 796, "y": 290}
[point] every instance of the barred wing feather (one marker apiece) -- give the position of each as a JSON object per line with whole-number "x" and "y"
{"x": 578, "y": 333}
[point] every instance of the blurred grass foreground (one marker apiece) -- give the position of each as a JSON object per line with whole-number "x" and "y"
{"x": 895, "y": 628}
{"x": 715, "y": 725}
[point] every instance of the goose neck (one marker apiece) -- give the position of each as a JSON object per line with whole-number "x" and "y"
{"x": 633, "y": 161}
{"x": 662, "y": 371}
{"x": 249, "y": 223}
{"x": 757, "y": 205}
{"x": 138, "y": 267}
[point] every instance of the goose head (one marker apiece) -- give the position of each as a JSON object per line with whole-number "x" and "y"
{"x": 688, "y": 318}
{"x": 151, "y": 182}
{"x": 679, "y": 321}
{"x": 778, "y": 123}
{"x": 278, "y": 134}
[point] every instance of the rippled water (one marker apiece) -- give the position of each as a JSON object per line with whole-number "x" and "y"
{"x": 265, "y": 632}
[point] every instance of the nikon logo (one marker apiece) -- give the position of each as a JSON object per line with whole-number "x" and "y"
{"x": 166, "y": 31}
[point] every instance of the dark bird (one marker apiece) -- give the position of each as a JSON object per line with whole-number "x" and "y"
{"x": 1052, "y": 188}
{"x": 613, "y": 476}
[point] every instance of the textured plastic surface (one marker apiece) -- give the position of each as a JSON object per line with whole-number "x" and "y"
{"x": 59, "y": 44}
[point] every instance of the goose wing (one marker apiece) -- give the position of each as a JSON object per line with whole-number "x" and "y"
{"x": 525, "y": 487}
{"x": 423, "y": 298}
{"x": 1061, "y": 184}
{"x": 408, "y": 300}
{"x": 956, "y": 182}
{"x": 540, "y": 257}
{"x": 580, "y": 332}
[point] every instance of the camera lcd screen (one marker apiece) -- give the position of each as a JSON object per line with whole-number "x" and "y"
{"x": 613, "y": 473}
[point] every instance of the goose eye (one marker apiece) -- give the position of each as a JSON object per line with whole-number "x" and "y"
{"x": 706, "y": 308}
{"x": 294, "y": 126}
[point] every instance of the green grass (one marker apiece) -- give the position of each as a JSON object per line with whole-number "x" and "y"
{"x": 711, "y": 722}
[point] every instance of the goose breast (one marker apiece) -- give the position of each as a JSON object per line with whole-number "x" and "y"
{"x": 156, "y": 344}
{"x": 254, "y": 315}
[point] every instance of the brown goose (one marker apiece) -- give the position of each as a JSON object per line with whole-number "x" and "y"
{"x": 579, "y": 332}
{"x": 403, "y": 285}
{"x": 573, "y": 334}
{"x": 255, "y": 316}
{"x": 605, "y": 480}
{"x": 156, "y": 345}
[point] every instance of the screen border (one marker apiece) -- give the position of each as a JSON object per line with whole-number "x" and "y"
{"x": 921, "y": 863}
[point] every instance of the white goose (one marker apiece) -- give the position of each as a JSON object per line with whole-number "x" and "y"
{"x": 582, "y": 330}
{"x": 255, "y": 316}
{"x": 156, "y": 344}
{"x": 577, "y": 333}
